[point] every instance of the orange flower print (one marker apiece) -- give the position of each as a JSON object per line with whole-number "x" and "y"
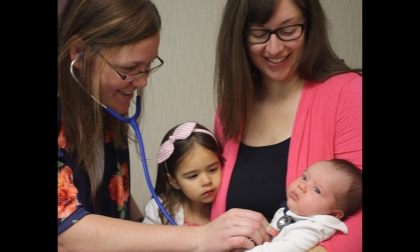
{"x": 119, "y": 186}
{"x": 61, "y": 138}
{"x": 67, "y": 193}
{"x": 107, "y": 136}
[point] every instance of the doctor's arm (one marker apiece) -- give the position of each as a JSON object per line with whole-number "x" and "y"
{"x": 228, "y": 231}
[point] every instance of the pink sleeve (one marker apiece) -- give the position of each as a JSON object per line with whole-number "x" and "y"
{"x": 219, "y": 203}
{"x": 328, "y": 125}
{"x": 350, "y": 242}
{"x": 230, "y": 152}
{"x": 348, "y": 145}
{"x": 348, "y": 132}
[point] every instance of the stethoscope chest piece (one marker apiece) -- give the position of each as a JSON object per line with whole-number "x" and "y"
{"x": 284, "y": 221}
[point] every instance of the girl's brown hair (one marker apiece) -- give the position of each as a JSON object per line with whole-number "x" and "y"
{"x": 172, "y": 198}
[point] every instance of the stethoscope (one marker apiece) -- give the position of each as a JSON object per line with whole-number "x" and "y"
{"x": 132, "y": 121}
{"x": 285, "y": 219}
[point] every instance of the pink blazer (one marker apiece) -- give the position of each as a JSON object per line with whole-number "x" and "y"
{"x": 328, "y": 125}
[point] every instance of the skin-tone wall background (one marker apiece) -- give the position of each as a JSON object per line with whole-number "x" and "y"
{"x": 182, "y": 90}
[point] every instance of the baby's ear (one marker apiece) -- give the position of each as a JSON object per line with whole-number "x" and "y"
{"x": 172, "y": 181}
{"x": 338, "y": 214}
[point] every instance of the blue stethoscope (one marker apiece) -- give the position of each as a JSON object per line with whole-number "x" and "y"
{"x": 132, "y": 121}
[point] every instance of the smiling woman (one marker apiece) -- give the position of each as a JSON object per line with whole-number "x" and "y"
{"x": 87, "y": 135}
{"x": 278, "y": 108}
{"x": 106, "y": 53}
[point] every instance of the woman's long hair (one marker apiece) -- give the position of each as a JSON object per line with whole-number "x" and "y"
{"x": 235, "y": 75}
{"x": 102, "y": 24}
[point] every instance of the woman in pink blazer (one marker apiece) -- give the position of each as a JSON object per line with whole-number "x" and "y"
{"x": 286, "y": 100}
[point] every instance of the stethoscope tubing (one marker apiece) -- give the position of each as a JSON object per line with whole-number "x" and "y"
{"x": 132, "y": 121}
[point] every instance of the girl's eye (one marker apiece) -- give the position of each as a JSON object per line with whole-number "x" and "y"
{"x": 192, "y": 176}
{"x": 213, "y": 170}
{"x": 317, "y": 190}
{"x": 304, "y": 177}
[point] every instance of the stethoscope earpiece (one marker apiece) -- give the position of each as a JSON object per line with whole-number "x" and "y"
{"x": 80, "y": 54}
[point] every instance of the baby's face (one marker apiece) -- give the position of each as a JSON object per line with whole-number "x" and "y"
{"x": 316, "y": 190}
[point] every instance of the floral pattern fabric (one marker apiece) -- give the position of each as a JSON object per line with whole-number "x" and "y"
{"x": 74, "y": 185}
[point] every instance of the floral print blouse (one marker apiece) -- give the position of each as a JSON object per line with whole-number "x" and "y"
{"x": 74, "y": 185}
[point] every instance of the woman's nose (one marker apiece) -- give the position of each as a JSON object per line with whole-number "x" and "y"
{"x": 274, "y": 44}
{"x": 141, "y": 81}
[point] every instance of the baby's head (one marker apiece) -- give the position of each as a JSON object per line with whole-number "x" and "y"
{"x": 332, "y": 187}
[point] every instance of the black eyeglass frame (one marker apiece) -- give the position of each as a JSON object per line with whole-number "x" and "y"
{"x": 139, "y": 74}
{"x": 270, "y": 32}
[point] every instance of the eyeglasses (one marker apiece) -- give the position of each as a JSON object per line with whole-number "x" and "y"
{"x": 154, "y": 66}
{"x": 285, "y": 33}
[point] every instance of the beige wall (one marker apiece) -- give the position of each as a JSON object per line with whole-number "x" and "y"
{"x": 182, "y": 90}
{"x": 345, "y": 28}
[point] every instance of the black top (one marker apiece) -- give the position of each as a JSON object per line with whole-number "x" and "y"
{"x": 258, "y": 179}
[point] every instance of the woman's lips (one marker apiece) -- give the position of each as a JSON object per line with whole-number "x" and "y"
{"x": 275, "y": 61}
{"x": 126, "y": 95}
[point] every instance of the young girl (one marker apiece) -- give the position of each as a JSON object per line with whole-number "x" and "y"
{"x": 189, "y": 175}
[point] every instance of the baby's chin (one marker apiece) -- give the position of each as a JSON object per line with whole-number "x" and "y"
{"x": 291, "y": 204}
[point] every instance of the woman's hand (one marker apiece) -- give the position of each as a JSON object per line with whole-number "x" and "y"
{"x": 236, "y": 228}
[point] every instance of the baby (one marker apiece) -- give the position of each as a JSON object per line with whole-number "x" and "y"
{"x": 317, "y": 203}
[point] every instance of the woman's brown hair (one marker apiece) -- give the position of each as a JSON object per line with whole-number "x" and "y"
{"x": 236, "y": 76}
{"x": 103, "y": 25}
